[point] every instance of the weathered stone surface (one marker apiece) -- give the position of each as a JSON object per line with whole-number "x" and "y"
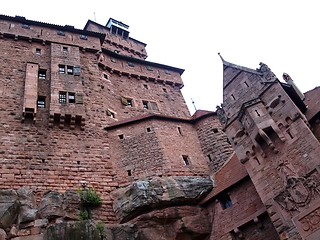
{"x": 71, "y": 205}
{"x": 27, "y": 211}
{"x": 80, "y": 230}
{"x": 9, "y": 208}
{"x": 144, "y": 195}
{"x": 51, "y": 205}
{"x": 32, "y": 237}
{"x": 3, "y": 234}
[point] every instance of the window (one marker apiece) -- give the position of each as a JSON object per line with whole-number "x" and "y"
{"x": 65, "y": 49}
{"x": 127, "y": 101}
{"x": 209, "y": 157}
{"x": 148, "y": 129}
{"x": 62, "y": 69}
{"x": 154, "y": 106}
{"x": 145, "y": 86}
{"x": 225, "y": 201}
{"x": 129, "y": 173}
{"x": 76, "y": 71}
{"x": 79, "y": 98}
{"x": 62, "y": 97}
{"x": 149, "y": 68}
{"x": 186, "y": 160}
{"x": 164, "y": 90}
{"x": 83, "y": 37}
{"x": 71, "y": 97}
{"x": 38, "y": 51}
{"x": 70, "y": 70}
{"x": 42, "y": 74}
{"x": 113, "y": 60}
{"x": 179, "y": 130}
{"x": 25, "y": 26}
{"x": 145, "y": 105}
{"x": 121, "y": 136}
{"x": 41, "y": 102}
{"x": 215, "y": 130}
{"x": 130, "y": 64}
{"x": 110, "y": 113}
{"x": 167, "y": 72}
{"x": 105, "y": 76}
{"x": 61, "y": 33}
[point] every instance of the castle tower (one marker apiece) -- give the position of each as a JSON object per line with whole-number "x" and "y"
{"x": 265, "y": 123}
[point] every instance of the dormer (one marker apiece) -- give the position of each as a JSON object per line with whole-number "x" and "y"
{"x": 118, "y": 28}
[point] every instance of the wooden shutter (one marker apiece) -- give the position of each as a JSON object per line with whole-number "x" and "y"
{"x": 76, "y": 71}
{"x": 154, "y": 106}
{"x": 79, "y": 98}
{"x": 124, "y": 101}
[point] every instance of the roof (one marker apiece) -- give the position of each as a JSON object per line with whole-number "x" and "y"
{"x": 198, "y": 115}
{"x": 230, "y": 174}
{"x": 67, "y": 28}
{"x": 312, "y": 100}
{"x": 289, "y": 89}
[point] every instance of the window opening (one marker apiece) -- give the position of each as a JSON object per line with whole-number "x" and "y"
{"x": 257, "y": 160}
{"x": 42, "y": 74}
{"x": 76, "y": 71}
{"x": 61, "y": 33}
{"x": 65, "y": 49}
{"x": 149, "y": 68}
{"x": 38, "y": 51}
{"x": 63, "y": 97}
{"x": 290, "y": 134}
{"x": 154, "y": 106}
{"x": 25, "y": 26}
{"x": 145, "y": 86}
{"x": 179, "y": 130}
{"x": 78, "y": 162}
{"x": 105, "y": 76}
{"x": 148, "y": 129}
{"x": 225, "y": 201}
{"x": 129, "y": 173}
{"x": 130, "y": 64}
{"x": 121, "y": 136}
{"x": 71, "y": 97}
{"x": 232, "y": 96}
{"x": 83, "y": 37}
{"x": 164, "y": 90}
{"x": 246, "y": 84}
{"x": 258, "y": 114}
{"x": 215, "y": 130}
{"x": 186, "y": 160}
{"x": 145, "y": 105}
{"x": 111, "y": 114}
{"x": 62, "y": 69}
{"x": 209, "y": 157}
{"x": 70, "y": 70}
{"x": 130, "y": 102}
{"x": 41, "y": 102}
{"x": 167, "y": 72}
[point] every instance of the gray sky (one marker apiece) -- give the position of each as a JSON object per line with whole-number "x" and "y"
{"x": 189, "y": 34}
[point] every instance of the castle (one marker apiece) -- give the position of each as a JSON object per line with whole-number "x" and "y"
{"x": 84, "y": 108}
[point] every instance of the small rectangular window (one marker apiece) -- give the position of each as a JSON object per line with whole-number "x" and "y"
{"x": 149, "y": 68}
{"x": 76, "y": 71}
{"x": 167, "y": 72}
{"x": 164, "y": 90}
{"x": 121, "y": 136}
{"x": 113, "y": 60}
{"x": 126, "y": 101}
{"x": 130, "y": 102}
{"x": 79, "y": 98}
{"x": 154, "y": 106}
{"x": 62, "y": 97}
{"x": 145, "y": 86}
{"x": 70, "y": 70}
{"x": 186, "y": 160}
{"x": 38, "y": 51}
{"x": 62, "y": 69}
{"x": 225, "y": 201}
{"x": 25, "y": 26}
{"x": 42, "y": 74}
{"x": 65, "y": 49}
{"x": 41, "y": 102}
{"x": 130, "y": 64}
{"x": 83, "y": 37}
{"x": 145, "y": 104}
{"x": 61, "y": 33}
{"x": 71, "y": 97}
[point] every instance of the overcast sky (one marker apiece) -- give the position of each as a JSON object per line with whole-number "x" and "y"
{"x": 189, "y": 34}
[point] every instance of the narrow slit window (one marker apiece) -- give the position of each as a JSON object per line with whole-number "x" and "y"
{"x": 258, "y": 114}
{"x": 233, "y": 97}
{"x": 225, "y": 201}
{"x": 129, "y": 173}
{"x": 245, "y": 83}
{"x": 145, "y": 104}
{"x": 145, "y": 86}
{"x": 209, "y": 157}
{"x": 290, "y": 134}
{"x": 179, "y": 130}
{"x": 41, "y": 102}
{"x": 121, "y": 136}
{"x": 186, "y": 160}
{"x": 38, "y": 51}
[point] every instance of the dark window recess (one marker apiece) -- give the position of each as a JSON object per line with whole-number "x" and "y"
{"x": 215, "y": 130}
{"x": 111, "y": 114}
{"x": 61, "y": 33}
{"x": 121, "y": 136}
{"x": 25, "y": 26}
{"x": 225, "y": 201}
{"x": 186, "y": 160}
{"x": 209, "y": 157}
{"x": 167, "y": 72}
{"x": 38, "y": 51}
{"x": 127, "y": 102}
{"x": 42, "y": 74}
{"x": 258, "y": 114}
{"x": 164, "y": 90}
{"x": 78, "y": 162}
{"x": 145, "y": 86}
{"x": 76, "y": 71}
{"x": 113, "y": 60}
{"x": 65, "y": 49}
{"x": 129, "y": 173}
{"x": 62, "y": 69}
{"x": 145, "y": 105}
{"x": 130, "y": 64}
{"x": 148, "y": 129}
{"x": 105, "y": 76}
{"x": 130, "y": 102}
{"x": 233, "y": 97}
{"x": 83, "y": 37}
{"x": 63, "y": 97}
{"x": 179, "y": 130}
{"x": 246, "y": 84}
{"x": 71, "y": 97}
{"x": 149, "y": 68}
{"x": 41, "y": 102}
{"x": 70, "y": 70}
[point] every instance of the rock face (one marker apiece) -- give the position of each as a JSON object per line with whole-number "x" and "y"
{"x": 27, "y": 211}
{"x": 9, "y": 208}
{"x": 51, "y": 205}
{"x": 157, "y": 193}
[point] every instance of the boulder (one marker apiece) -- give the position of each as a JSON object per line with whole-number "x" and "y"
{"x": 51, "y": 205}
{"x": 9, "y": 208}
{"x": 27, "y": 211}
{"x": 3, "y": 234}
{"x": 71, "y": 205}
{"x": 145, "y": 195}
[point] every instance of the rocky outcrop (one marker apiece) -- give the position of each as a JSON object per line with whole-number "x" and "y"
{"x": 157, "y": 193}
{"x": 51, "y": 205}
{"x": 9, "y": 208}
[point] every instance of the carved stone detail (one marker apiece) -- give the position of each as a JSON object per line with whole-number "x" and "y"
{"x": 221, "y": 114}
{"x": 266, "y": 72}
